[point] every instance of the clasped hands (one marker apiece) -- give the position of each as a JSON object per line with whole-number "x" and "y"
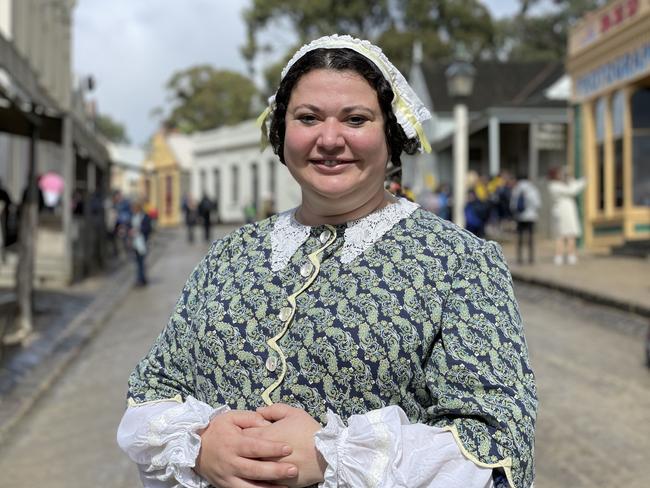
{"x": 271, "y": 447}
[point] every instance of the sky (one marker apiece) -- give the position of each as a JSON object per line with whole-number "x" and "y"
{"x": 131, "y": 48}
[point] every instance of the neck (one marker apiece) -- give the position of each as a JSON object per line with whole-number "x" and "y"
{"x": 332, "y": 214}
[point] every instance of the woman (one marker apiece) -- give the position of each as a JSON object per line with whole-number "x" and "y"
{"x": 564, "y": 212}
{"x": 384, "y": 344}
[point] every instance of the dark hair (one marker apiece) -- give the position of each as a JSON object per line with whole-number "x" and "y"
{"x": 341, "y": 59}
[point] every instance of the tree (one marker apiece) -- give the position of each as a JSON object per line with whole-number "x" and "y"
{"x": 204, "y": 98}
{"x": 393, "y": 25}
{"x": 112, "y": 130}
{"x": 543, "y": 36}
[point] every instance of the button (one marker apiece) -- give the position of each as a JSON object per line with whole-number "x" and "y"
{"x": 325, "y": 236}
{"x": 306, "y": 269}
{"x": 271, "y": 363}
{"x": 285, "y": 313}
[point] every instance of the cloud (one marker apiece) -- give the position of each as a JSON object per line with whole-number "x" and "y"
{"x": 132, "y": 47}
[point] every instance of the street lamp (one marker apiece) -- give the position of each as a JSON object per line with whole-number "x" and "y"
{"x": 460, "y": 82}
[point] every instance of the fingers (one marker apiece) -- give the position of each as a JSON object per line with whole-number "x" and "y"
{"x": 275, "y": 412}
{"x": 246, "y": 419}
{"x": 255, "y": 448}
{"x": 254, "y": 470}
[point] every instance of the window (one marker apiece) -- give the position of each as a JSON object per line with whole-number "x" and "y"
{"x": 168, "y": 195}
{"x": 235, "y": 183}
{"x": 640, "y": 107}
{"x": 217, "y": 184}
{"x": 618, "y": 118}
{"x": 255, "y": 186}
{"x": 202, "y": 180}
{"x": 599, "y": 117}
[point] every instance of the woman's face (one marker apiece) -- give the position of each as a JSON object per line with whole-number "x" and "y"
{"x": 335, "y": 145}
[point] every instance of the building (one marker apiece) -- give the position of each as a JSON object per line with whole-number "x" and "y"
{"x": 609, "y": 64}
{"x": 45, "y": 127}
{"x": 233, "y": 171}
{"x": 517, "y": 118}
{"x": 167, "y": 169}
{"x": 127, "y": 172}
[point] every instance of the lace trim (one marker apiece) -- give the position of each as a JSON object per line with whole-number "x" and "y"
{"x": 288, "y": 234}
{"x": 407, "y": 106}
{"x": 286, "y": 237}
{"x": 363, "y": 233}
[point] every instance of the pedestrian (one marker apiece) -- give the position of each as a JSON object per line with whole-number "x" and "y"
{"x": 190, "y": 211}
{"x": 476, "y": 214}
{"x": 5, "y": 208}
{"x": 564, "y": 213}
{"x": 525, "y": 202}
{"x": 206, "y": 206}
{"x": 383, "y": 342}
{"x": 139, "y": 231}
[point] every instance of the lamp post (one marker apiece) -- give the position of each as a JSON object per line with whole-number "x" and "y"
{"x": 460, "y": 82}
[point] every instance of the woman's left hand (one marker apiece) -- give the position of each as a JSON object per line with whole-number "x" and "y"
{"x": 297, "y": 428}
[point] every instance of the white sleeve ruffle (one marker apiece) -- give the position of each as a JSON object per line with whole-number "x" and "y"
{"x": 161, "y": 437}
{"x": 382, "y": 449}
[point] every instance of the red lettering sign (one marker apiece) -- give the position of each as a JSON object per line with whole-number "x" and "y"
{"x": 618, "y": 14}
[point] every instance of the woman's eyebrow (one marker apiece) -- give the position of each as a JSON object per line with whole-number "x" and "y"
{"x": 308, "y": 106}
{"x": 353, "y": 108}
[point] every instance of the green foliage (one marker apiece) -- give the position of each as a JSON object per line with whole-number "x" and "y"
{"x": 204, "y": 98}
{"x": 394, "y": 25}
{"x": 111, "y": 129}
{"x": 543, "y": 36}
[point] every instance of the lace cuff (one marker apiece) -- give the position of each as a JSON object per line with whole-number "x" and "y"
{"x": 161, "y": 438}
{"x": 382, "y": 449}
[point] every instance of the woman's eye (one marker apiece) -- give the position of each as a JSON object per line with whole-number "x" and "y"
{"x": 307, "y": 118}
{"x": 356, "y": 120}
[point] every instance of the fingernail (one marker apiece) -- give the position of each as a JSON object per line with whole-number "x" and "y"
{"x": 286, "y": 450}
{"x": 291, "y": 472}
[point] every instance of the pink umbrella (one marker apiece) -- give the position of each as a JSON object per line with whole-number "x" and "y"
{"x": 51, "y": 182}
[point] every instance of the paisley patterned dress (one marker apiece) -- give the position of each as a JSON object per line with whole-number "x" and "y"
{"x": 422, "y": 315}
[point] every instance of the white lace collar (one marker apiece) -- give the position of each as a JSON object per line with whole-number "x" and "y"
{"x": 288, "y": 234}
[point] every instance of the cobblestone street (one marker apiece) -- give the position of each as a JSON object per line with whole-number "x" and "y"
{"x": 593, "y": 426}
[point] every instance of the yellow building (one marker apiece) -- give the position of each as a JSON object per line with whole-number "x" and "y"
{"x": 167, "y": 176}
{"x": 609, "y": 64}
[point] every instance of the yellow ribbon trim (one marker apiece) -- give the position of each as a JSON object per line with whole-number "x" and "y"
{"x": 273, "y": 342}
{"x": 505, "y": 464}
{"x": 406, "y": 111}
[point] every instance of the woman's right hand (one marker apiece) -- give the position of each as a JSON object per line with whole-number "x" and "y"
{"x": 229, "y": 459}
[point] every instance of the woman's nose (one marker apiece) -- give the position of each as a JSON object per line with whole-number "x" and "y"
{"x": 330, "y": 136}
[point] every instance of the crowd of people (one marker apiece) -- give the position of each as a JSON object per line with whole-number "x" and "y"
{"x": 507, "y": 205}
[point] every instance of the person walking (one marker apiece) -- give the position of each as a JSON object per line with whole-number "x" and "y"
{"x": 139, "y": 233}
{"x": 191, "y": 216}
{"x": 525, "y": 202}
{"x": 564, "y": 212}
{"x": 206, "y": 206}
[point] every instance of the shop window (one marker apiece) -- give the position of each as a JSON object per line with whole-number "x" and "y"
{"x": 599, "y": 116}
{"x": 618, "y": 117}
{"x": 640, "y": 107}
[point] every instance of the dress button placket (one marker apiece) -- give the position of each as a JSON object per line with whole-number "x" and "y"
{"x": 285, "y": 313}
{"x": 271, "y": 363}
{"x": 306, "y": 269}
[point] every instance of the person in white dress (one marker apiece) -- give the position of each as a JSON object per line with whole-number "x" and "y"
{"x": 564, "y": 212}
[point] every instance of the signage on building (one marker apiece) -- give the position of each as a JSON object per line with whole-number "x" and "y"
{"x": 550, "y": 137}
{"x": 602, "y": 22}
{"x": 625, "y": 67}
